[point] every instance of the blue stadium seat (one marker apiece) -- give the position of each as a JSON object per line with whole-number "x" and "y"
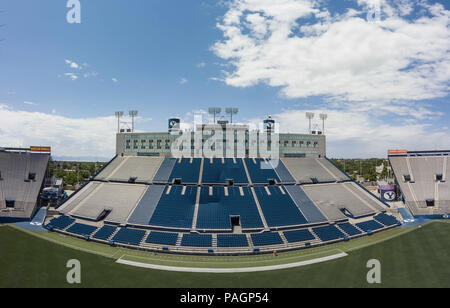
{"x": 268, "y": 238}
{"x": 214, "y": 211}
{"x": 175, "y": 210}
{"x": 386, "y": 220}
{"x": 232, "y": 240}
{"x": 261, "y": 172}
{"x": 105, "y": 232}
{"x": 186, "y": 171}
{"x": 162, "y": 238}
{"x": 283, "y": 173}
{"x": 279, "y": 209}
{"x": 350, "y": 229}
{"x": 82, "y": 229}
{"x": 370, "y": 225}
{"x": 298, "y": 236}
{"x": 328, "y": 233}
{"x": 218, "y": 173}
{"x": 197, "y": 240}
{"x": 129, "y": 236}
{"x": 60, "y": 223}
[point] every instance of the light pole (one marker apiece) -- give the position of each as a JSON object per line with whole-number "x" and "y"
{"x": 323, "y": 117}
{"x": 118, "y": 114}
{"x": 133, "y": 114}
{"x": 231, "y": 112}
{"x": 214, "y": 111}
{"x": 310, "y": 116}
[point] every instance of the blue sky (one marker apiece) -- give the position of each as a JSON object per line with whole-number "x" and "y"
{"x": 383, "y": 83}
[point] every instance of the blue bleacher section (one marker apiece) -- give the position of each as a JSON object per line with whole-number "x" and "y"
{"x": 370, "y": 225}
{"x": 282, "y": 172}
{"x": 82, "y": 229}
{"x": 162, "y": 238}
{"x": 218, "y": 173}
{"x": 175, "y": 210}
{"x": 268, "y": 238}
{"x": 129, "y": 236}
{"x": 197, "y": 240}
{"x": 386, "y": 220}
{"x": 350, "y": 229}
{"x": 147, "y": 205}
{"x": 214, "y": 211}
{"x": 298, "y": 236}
{"x": 232, "y": 240}
{"x": 306, "y": 206}
{"x": 61, "y": 222}
{"x": 261, "y": 172}
{"x": 186, "y": 171}
{"x": 105, "y": 232}
{"x": 328, "y": 233}
{"x": 278, "y": 208}
{"x": 164, "y": 171}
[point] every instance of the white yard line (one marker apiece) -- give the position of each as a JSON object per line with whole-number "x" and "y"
{"x": 230, "y": 262}
{"x": 231, "y": 270}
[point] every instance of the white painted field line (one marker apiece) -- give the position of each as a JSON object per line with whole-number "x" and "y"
{"x": 231, "y": 270}
{"x": 228, "y": 261}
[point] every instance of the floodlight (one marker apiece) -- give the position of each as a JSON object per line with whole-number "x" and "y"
{"x": 214, "y": 111}
{"x": 231, "y": 112}
{"x": 118, "y": 114}
{"x": 133, "y": 114}
{"x": 310, "y": 116}
{"x": 323, "y": 117}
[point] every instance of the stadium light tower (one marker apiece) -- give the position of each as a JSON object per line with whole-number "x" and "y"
{"x": 310, "y": 116}
{"x": 214, "y": 111}
{"x": 119, "y": 114}
{"x": 231, "y": 112}
{"x": 323, "y": 117}
{"x": 133, "y": 114}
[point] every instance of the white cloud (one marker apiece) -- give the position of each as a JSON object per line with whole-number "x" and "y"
{"x": 73, "y": 64}
{"x": 201, "y": 64}
{"x": 344, "y": 58}
{"x": 115, "y": 80}
{"x": 71, "y": 76}
{"x": 356, "y": 134}
{"x": 67, "y": 136}
{"x": 183, "y": 81}
{"x": 29, "y": 103}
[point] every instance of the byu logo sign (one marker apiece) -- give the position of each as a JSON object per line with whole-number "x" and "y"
{"x": 374, "y": 275}
{"x": 74, "y": 14}
{"x": 389, "y": 195}
{"x": 74, "y": 275}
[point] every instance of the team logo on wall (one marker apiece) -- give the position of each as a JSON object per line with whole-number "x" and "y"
{"x": 389, "y": 195}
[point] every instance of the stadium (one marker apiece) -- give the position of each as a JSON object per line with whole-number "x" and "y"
{"x": 152, "y": 199}
{"x": 148, "y": 200}
{"x": 253, "y": 193}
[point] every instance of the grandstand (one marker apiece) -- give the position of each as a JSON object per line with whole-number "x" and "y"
{"x": 423, "y": 180}
{"x": 242, "y": 204}
{"x": 219, "y": 217}
{"x": 131, "y": 169}
{"x": 22, "y": 174}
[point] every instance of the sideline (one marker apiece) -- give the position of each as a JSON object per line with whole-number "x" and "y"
{"x": 231, "y": 270}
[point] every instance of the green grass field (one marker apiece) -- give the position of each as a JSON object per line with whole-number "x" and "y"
{"x": 410, "y": 257}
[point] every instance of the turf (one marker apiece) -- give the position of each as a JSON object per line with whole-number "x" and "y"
{"x": 419, "y": 258}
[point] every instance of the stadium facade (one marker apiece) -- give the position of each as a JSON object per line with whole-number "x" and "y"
{"x": 250, "y": 191}
{"x": 422, "y": 177}
{"x": 22, "y": 174}
{"x": 236, "y": 140}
